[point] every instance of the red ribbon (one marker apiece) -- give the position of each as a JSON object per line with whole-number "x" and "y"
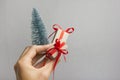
{"x": 68, "y": 30}
{"x": 57, "y": 26}
{"x": 57, "y": 47}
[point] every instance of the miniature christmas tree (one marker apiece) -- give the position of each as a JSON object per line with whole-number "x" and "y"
{"x": 39, "y": 34}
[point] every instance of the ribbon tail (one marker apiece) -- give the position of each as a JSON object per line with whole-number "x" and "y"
{"x": 51, "y": 34}
{"x": 56, "y": 61}
{"x": 64, "y": 58}
{"x": 53, "y": 75}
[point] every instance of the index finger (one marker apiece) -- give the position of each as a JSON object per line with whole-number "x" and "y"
{"x": 34, "y": 50}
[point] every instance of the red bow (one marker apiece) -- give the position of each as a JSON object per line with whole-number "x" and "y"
{"x": 56, "y": 26}
{"x": 57, "y": 48}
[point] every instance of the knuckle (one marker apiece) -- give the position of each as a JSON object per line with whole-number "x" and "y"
{"x": 33, "y": 46}
{"x": 20, "y": 62}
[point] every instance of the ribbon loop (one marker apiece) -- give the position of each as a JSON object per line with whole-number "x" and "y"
{"x": 56, "y": 26}
{"x": 69, "y": 30}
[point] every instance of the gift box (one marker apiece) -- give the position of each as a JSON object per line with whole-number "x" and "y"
{"x": 59, "y": 41}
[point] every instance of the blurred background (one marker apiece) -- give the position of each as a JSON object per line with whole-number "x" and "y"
{"x": 94, "y": 47}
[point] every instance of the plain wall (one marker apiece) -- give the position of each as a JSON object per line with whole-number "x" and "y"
{"x": 94, "y": 47}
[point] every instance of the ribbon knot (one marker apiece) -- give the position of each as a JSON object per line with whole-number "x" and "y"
{"x": 57, "y": 48}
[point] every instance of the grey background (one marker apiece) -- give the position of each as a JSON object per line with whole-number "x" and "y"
{"x": 94, "y": 47}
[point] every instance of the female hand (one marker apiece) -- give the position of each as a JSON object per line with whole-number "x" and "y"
{"x": 25, "y": 69}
